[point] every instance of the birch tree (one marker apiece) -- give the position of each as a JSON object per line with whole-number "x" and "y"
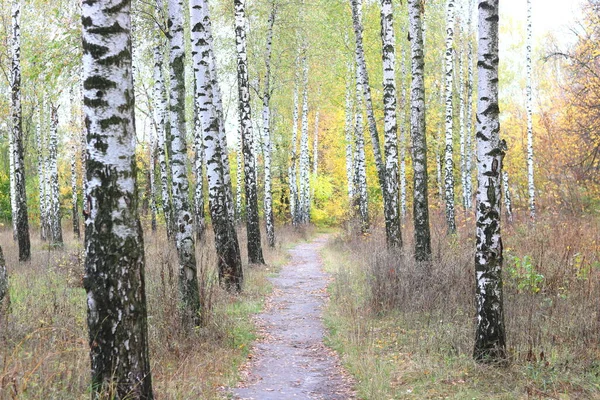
{"x": 160, "y": 109}
{"x": 16, "y": 136}
{"x": 490, "y": 340}
{"x": 183, "y": 218}
{"x": 74, "y": 197}
{"x": 507, "y": 198}
{"x": 267, "y": 145}
{"x": 349, "y": 131}
{"x": 448, "y": 153}
{"x": 152, "y": 173}
{"x": 199, "y": 170}
{"x": 238, "y": 175}
{"x": 3, "y": 278}
{"x": 255, "y": 255}
{"x": 360, "y": 166}
{"x": 293, "y": 174}
{"x": 417, "y": 131}
{"x": 226, "y": 241}
{"x": 13, "y": 189}
{"x": 388, "y": 38}
{"x": 469, "y": 111}
{"x": 403, "y": 138}
{"x": 304, "y": 207}
{"x": 114, "y": 264}
{"x": 529, "y": 107}
{"x": 56, "y": 238}
{"x": 364, "y": 80}
{"x": 40, "y": 143}
{"x": 316, "y": 145}
{"x": 463, "y": 132}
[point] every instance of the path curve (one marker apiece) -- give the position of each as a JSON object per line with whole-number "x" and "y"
{"x": 290, "y": 360}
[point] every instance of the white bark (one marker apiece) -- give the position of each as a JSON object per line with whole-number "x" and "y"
{"x": 13, "y": 189}
{"x": 403, "y": 108}
{"x": 41, "y": 173}
{"x": 349, "y": 131}
{"x": 391, "y": 212}
{"x": 293, "y": 171}
{"x": 54, "y": 210}
{"x": 419, "y": 138}
{"x": 448, "y": 154}
{"x": 267, "y": 146}
{"x": 198, "y": 170}
{"x": 490, "y": 340}
{"x": 469, "y": 116}
{"x": 463, "y": 132}
{"x": 183, "y": 218}
{"x": 239, "y": 186}
{"x": 316, "y": 146}
{"x": 507, "y": 199}
{"x": 226, "y": 242}
{"x": 360, "y": 167}
{"x": 529, "y": 106}
{"x": 304, "y": 209}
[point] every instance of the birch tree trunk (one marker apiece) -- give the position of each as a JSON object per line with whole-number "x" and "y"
{"x": 388, "y": 38}
{"x": 114, "y": 265}
{"x": 255, "y": 255}
{"x": 448, "y": 153}
{"x": 469, "y": 116}
{"x": 20, "y": 195}
{"x": 267, "y": 146}
{"x": 74, "y": 197}
{"x": 293, "y": 172}
{"x": 463, "y": 133}
{"x": 199, "y": 170}
{"x": 153, "y": 150}
{"x": 403, "y": 139}
{"x": 41, "y": 173}
{"x": 74, "y": 191}
{"x": 54, "y": 210}
{"x": 183, "y": 218}
{"x": 360, "y": 167}
{"x": 304, "y": 161}
{"x": 226, "y": 241}
{"x": 239, "y": 212}
{"x": 316, "y": 148}
{"x": 349, "y": 132}
{"x": 160, "y": 109}
{"x": 507, "y": 199}
{"x": 529, "y": 107}
{"x": 363, "y": 78}
{"x": 417, "y": 131}
{"x": 3, "y": 279}
{"x": 13, "y": 189}
{"x": 490, "y": 341}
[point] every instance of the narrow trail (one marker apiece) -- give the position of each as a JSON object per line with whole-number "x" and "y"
{"x": 290, "y": 360}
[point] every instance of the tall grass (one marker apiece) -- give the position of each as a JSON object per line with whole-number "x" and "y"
{"x": 43, "y": 337}
{"x": 407, "y": 331}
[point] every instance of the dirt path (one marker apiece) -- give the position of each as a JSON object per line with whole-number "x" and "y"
{"x": 290, "y": 360}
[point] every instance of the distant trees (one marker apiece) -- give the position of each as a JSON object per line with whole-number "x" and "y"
{"x": 529, "y": 110}
{"x": 114, "y": 264}
{"x": 3, "y": 278}
{"x": 490, "y": 340}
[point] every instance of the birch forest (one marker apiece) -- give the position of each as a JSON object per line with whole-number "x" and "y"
{"x": 299, "y": 199}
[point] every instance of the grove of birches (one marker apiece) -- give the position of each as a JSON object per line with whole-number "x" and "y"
{"x": 158, "y": 158}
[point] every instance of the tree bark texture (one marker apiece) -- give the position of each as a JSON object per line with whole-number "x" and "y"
{"x": 56, "y": 238}
{"x": 417, "y": 131}
{"x": 449, "y": 148}
{"x": 255, "y": 255}
{"x": 114, "y": 265}
{"x": 490, "y": 340}
{"x": 391, "y": 211}
{"x": 183, "y": 218}
{"x": 20, "y": 196}
{"x": 226, "y": 241}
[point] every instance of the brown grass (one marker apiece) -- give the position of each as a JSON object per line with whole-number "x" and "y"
{"x": 43, "y": 338}
{"x": 407, "y": 332}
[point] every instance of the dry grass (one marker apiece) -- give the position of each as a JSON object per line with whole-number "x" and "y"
{"x": 43, "y": 338}
{"x": 406, "y": 332}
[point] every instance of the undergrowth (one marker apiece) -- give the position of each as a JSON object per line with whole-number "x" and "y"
{"x": 44, "y": 349}
{"x": 408, "y": 332}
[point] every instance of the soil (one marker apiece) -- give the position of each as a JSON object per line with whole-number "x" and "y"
{"x": 290, "y": 360}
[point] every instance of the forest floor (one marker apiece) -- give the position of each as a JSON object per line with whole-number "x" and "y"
{"x": 290, "y": 359}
